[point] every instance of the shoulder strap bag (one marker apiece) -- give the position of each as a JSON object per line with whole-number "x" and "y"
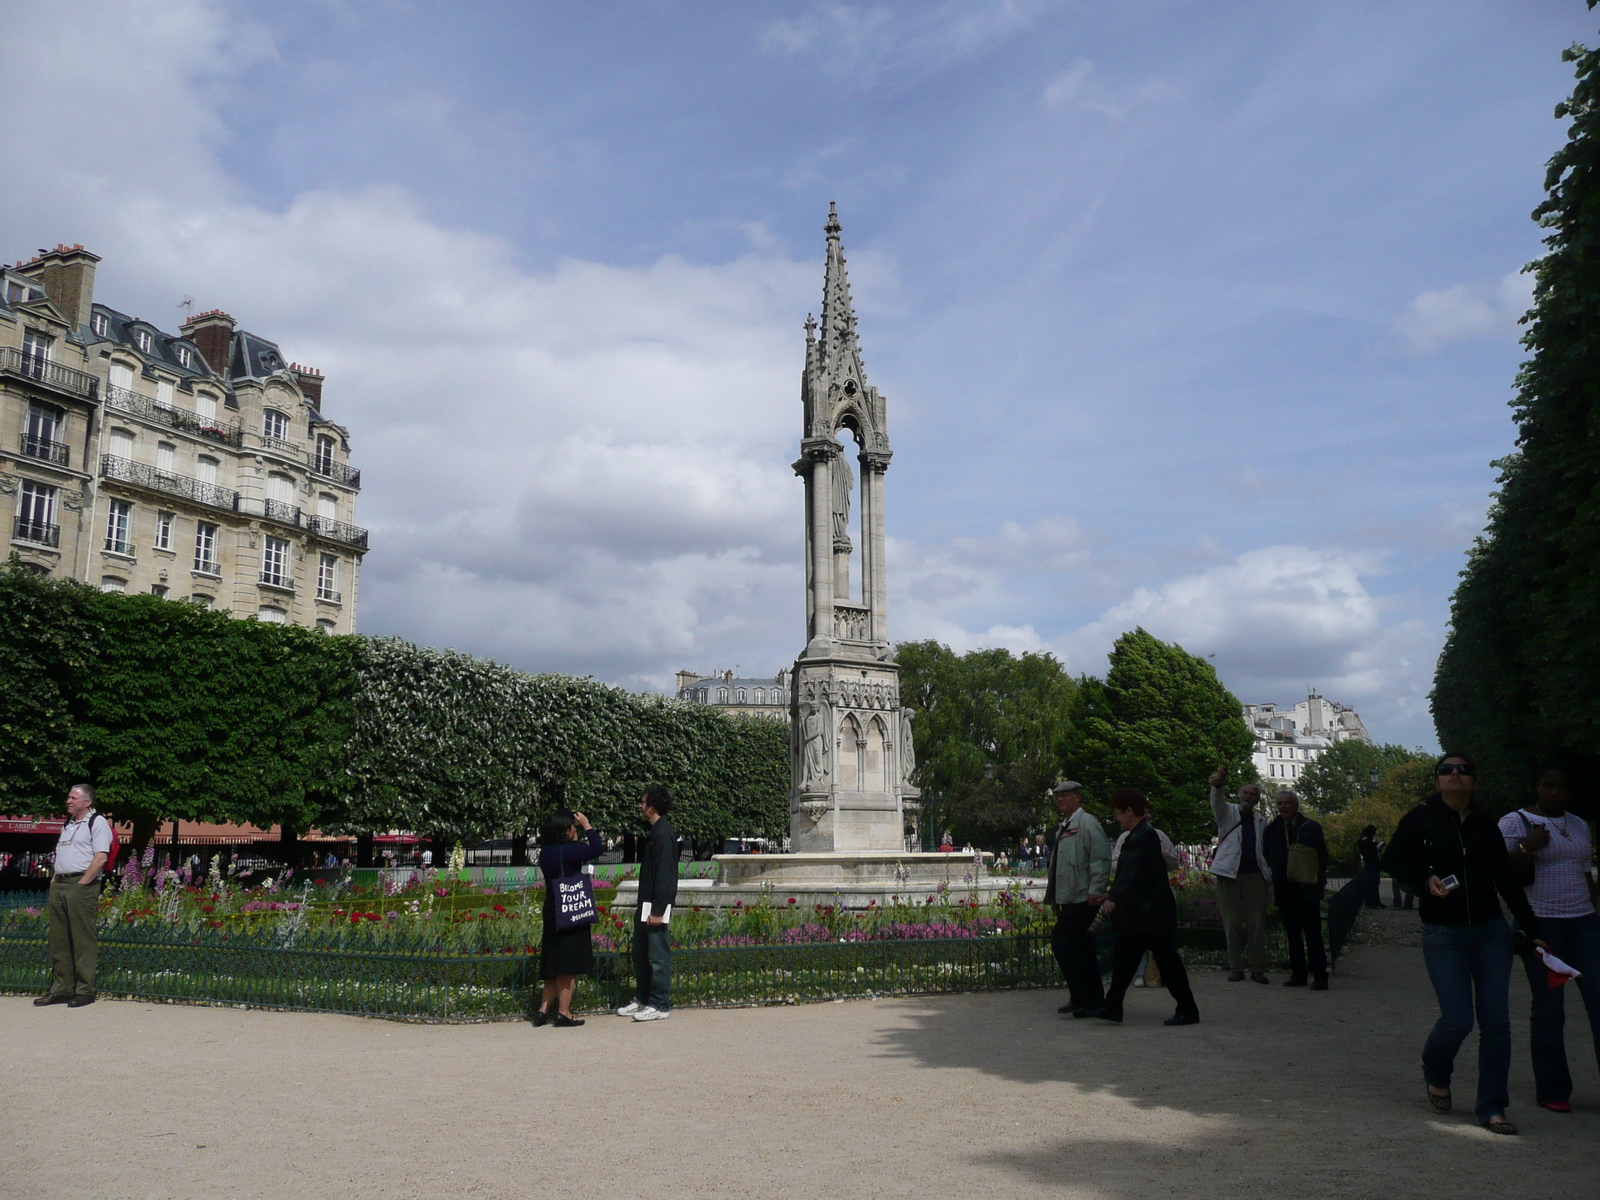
{"x": 573, "y": 898}
{"x": 1304, "y": 865}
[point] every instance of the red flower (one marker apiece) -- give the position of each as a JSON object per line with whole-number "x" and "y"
{"x": 373, "y": 917}
{"x": 791, "y": 899}
{"x": 499, "y": 908}
{"x": 205, "y": 908}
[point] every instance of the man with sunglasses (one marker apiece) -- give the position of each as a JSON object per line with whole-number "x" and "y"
{"x": 1453, "y": 858}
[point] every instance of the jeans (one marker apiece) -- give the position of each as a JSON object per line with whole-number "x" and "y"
{"x": 1470, "y": 966}
{"x": 1243, "y": 902}
{"x": 1132, "y": 943}
{"x": 1399, "y": 897}
{"x": 1076, "y": 956}
{"x": 1371, "y": 881}
{"x": 652, "y": 965}
{"x": 1301, "y": 907}
{"x": 1575, "y": 941}
{"x": 74, "y": 953}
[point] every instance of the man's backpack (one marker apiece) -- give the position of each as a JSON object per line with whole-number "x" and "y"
{"x": 116, "y": 846}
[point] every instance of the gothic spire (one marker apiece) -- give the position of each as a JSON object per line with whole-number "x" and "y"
{"x": 838, "y": 314}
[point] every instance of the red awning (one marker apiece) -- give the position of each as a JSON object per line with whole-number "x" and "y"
{"x": 30, "y": 825}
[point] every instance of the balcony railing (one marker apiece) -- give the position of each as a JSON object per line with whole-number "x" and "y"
{"x": 119, "y": 546}
{"x": 337, "y": 471}
{"x": 41, "y": 533}
{"x": 279, "y": 445}
{"x": 337, "y": 531}
{"x": 46, "y": 450}
{"x": 278, "y": 579}
{"x": 214, "y": 428}
{"x": 124, "y": 471}
{"x": 277, "y": 510}
{"x": 15, "y": 361}
{"x": 330, "y": 595}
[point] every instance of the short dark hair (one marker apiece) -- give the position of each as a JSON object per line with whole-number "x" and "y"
{"x": 1472, "y": 768}
{"x": 555, "y": 828}
{"x": 87, "y": 790}
{"x": 1130, "y": 800}
{"x": 658, "y": 798}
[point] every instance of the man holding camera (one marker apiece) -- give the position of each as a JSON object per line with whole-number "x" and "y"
{"x": 1241, "y": 881}
{"x": 1080, "y": 869}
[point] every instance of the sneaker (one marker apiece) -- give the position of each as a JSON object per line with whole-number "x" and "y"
{"x": 627, "y": 1010}
{"x": 651, "y": 1014}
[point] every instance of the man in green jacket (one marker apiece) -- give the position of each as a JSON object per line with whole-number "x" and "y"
{"x": 1080, "y": 869}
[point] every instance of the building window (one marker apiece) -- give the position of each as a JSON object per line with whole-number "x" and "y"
{"x": 110, "y": 583}
{"x": 328, "y": 577}
{"x": 159, "y": 590}
{"x": 200, "y": 600}
{"x": 43, "y": 436}
{"x": 165, "y": 392}
{"x": 118, "y": 518}
{"x": 271, "y": 615}
{"x": 36, "y": 514}
{"x": 165, "y": 454}
{"x": 275, "y": 563}
{"x": 327, "y": 506}
{"x": 142, "y": 340}
{"x": 275, "y": 425}
{"x": 324, "y": 454}
{"x": 205, "y": 407}
{"x": 99, "y": 324}
{"x": 205, "y": 548}
{"x": 743, "y": 696}
{"x": 205, "y": 470}
{"x": 722, "y": 695}
{"x": 325, "y": 626}
{"x": 761, "y": 696}
{"x": 37, "y": 349}
{"x": 121, "y": 443}
{"x": 163, "y": 532}
{"x": 185, "y": 356}
{"x": 15, "y": 291}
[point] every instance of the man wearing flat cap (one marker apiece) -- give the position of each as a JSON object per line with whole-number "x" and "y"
{"x": 1080, "y": 870}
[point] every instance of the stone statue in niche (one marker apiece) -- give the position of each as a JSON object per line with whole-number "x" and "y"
{"x": 843, "y": 483}
{"x": 908, "y": 753}
{"x": 813, "y": 748}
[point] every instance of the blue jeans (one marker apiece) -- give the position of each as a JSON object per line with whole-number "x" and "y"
{"x": 1575, "y": 941}
{"x": 1470, "y": 966}
{"x": 652, "y": 965}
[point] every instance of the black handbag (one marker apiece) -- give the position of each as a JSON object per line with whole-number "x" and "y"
{"x": 574, "y": 900}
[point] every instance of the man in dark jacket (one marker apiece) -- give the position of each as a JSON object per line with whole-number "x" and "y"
{"x": 658, "y": 892}
{"x": 1300, "y": 904}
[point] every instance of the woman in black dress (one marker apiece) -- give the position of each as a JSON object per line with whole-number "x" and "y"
{"x": 563, "y": 954}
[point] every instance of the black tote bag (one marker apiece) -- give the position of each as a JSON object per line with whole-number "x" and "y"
{"x": 573, "y": 898}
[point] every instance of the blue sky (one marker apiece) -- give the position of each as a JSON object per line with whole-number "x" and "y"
{"x": 1192, "y": 315}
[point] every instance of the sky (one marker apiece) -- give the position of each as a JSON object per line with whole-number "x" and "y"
{"x": 1193, "y": 316}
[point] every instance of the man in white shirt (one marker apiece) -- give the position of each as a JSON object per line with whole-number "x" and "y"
{"x": 1241, "y": 880}
{"x": 81, "y": 853}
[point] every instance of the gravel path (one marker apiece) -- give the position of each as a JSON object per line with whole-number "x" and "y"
{"x": 1278, "y": 1093}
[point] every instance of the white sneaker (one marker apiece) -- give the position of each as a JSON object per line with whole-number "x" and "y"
{"x": 627, "y": 1010}
{"x": 651, "y": 1014}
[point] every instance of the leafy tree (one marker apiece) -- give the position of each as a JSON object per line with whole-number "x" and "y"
{"x": 1515, "y": 682}
{"x": 1401, "y": 789}
{"x": 989, "y": 726}
{"x": 1325, "y": 785}
{"x": 1161, "y": 722}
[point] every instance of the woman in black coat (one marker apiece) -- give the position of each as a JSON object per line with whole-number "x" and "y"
{"x": 1144, "y": 913}
{"x": 563, "y": 954}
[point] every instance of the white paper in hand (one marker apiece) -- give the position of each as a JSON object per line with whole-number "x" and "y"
{"x": 644, "y": 913}
{"x": 1560, "y": 972}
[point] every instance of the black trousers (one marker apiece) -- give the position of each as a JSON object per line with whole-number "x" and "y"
{"x": 1301, "y": 907}
{"x": 1160, "y": 941}
{"x": 1075, "y": 955}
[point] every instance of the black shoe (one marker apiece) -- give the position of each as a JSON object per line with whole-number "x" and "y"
{"x": 1067, "y": 1009}
{"x": 80, "y": 1001}
{"x": 564, "y": 1022}
{"x": 1295, "y": 981}
{"x": 1236, "y": 977}
{"x": 1259, "y": 977}
{"x": 1183, "y": 1018}
{"x": 540, "y": 1017}
{"x": 1319, "y": 984}
{"x": 51, "y": 998}
{"x": 1088, "y": 1012}
{"x": 1109, "y": 1014}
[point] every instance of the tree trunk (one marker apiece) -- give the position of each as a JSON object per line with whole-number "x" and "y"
{"x": 364, "y": 850}
{"x": 288, "y": 844}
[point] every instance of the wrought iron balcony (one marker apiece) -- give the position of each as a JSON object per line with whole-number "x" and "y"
{"x": 279, "y": 445}
{"x": 40, "y": 533}
{"x": 277, "y": 510}
{"x": 46, "y": 450}
{"x": 15, "y": 361}
{"x": 278, "y": 579}
{"x": 337, "y": 471}
{"x": 331, "y": 596}
{"x": 140, "y": 475}
{"x": 214, "y": 428}
{"x": 337, "y": 531}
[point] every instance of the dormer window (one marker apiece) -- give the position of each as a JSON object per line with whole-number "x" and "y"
{"x": 185, "y": 356}
{"x": 142, "y": 340}
{"x": 99, "y": 324}
{"x": 15, "y": 291}
{"x": 275, "y": 425}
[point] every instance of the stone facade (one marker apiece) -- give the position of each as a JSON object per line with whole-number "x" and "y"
{"x": 747, "y": 695}
{"x": 1289, "y": 742}
{"x": 196, "y": 466}
{"x": 852, "y": 754}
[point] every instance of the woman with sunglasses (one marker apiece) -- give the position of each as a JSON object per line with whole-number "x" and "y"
{"x": 1452, "y": 857}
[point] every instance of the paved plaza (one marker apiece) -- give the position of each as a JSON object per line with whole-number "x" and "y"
{"x": 1277, "y": 1093}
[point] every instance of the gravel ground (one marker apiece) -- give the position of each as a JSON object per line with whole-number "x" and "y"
{"x": 1277, "y": 1093}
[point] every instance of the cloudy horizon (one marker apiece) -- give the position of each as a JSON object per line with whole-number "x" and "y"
{"x": 1202, "y": 320}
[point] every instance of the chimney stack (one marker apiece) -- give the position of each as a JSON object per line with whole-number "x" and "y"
{"x": 67, "y": 275}
{"x": 309, "y": 380}
{"x": 213, "y": 333}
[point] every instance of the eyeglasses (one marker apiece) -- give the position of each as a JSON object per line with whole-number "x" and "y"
{"x": 1454, "y": 769}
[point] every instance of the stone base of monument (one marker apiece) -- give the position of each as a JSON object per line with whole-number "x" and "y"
{"x": 848, "y": 880}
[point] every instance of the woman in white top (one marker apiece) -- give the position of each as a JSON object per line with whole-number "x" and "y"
{"x": 1563, "y": 898}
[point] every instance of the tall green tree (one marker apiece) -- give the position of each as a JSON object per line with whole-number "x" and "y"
{"x": 1161, "y": 722}
{"x": 989, "y": 726}
{"x": 1346, "y": 770}
{"x": 1516, "y": 681}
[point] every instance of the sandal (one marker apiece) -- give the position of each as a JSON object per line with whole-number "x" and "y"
{"x": 1500, "y": 1125}
{"x": 1440, "y": 1101}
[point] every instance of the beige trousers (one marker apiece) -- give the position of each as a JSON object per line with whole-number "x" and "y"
{"x": 1244, "y": 920}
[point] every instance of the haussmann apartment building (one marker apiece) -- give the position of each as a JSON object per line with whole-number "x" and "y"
{"x": 197, "y": 466}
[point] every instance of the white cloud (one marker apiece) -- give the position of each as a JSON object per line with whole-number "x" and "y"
{"x": 1466, "y": 311}
{"x": 1080, "y": 88}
